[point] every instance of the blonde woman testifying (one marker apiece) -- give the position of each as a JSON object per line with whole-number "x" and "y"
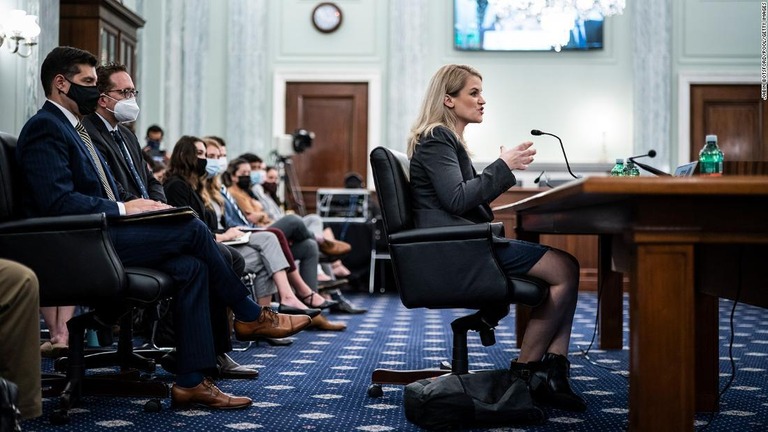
{"x": 447, "y": 191}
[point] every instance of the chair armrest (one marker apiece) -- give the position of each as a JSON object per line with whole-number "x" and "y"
{"x": 54, "y": 223}
{"x": 72, "y": 256}
{"x": 498, "y": 229}
{"x": 447, "y": 233}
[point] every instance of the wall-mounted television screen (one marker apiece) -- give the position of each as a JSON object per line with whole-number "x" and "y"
{"x": 483, "y": 25}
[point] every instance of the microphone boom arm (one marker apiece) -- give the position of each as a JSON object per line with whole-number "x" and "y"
{"x": 562, "y": 147}
{"x": 649, "y": 168}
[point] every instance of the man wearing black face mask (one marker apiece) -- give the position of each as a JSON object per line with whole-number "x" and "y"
{"x": 120, "y": 147}
{"x": 63, "y": 174}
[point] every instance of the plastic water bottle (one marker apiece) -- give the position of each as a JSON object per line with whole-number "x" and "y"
{"x": 711, "y": 158}
{"x": 631, "y": 170}
{"x": 618, "y": 169}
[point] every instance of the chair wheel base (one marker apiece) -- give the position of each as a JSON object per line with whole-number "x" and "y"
{"x": 375, "y": 391}
{"x": 59, "y": 417}
{"x": 153, "y": 405}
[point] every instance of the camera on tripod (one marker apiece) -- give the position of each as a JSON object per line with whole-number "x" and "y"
{"x": 287, "y": 145}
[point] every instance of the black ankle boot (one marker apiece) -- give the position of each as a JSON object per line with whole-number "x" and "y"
{"x": 550, "y": 386}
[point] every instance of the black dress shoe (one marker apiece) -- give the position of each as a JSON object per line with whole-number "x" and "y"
{"x": 326, "y": 304}
{"x": 275, "y": 341}
{"x": 344, "y": 306}
{"x": 290, "y": 310}
{"x": 229, "y": 368}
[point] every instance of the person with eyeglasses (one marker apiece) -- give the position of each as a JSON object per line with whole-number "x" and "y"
{"x": 117, "y": 105}
{"x": 63, "y": 174}
{"x": 120, "y": 147}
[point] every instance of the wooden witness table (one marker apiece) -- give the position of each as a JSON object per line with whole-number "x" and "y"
{"x": 685, "y": 242}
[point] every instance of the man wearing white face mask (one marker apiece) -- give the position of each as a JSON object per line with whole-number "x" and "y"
{"x": 119, "y": 146}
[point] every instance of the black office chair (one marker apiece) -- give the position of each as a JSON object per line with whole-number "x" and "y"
{"x": 444, "y": 267}
{"x": 76, "y": 264}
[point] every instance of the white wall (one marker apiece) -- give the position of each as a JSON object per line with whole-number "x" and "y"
{"x": 585, "y": 97}
{"x": 12, "y": 77}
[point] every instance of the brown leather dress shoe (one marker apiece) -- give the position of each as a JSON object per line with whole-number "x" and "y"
{"x": 320, "y": 322}
{"x": 206, "y": 394}
{"x": 334, "y": 247}
{"x": 271, "y": 324}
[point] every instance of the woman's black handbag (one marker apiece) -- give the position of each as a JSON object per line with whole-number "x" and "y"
{"x": 483, "y": 398}
{"x": 10, "y": 416}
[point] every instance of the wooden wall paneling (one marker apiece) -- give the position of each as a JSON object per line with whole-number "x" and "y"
{"x": 736, "y": 114}
{"x": 106, "y": 28}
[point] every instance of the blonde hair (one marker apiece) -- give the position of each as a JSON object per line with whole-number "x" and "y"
{"x": 212, "y": 185}
{"x": 448, "y": 80}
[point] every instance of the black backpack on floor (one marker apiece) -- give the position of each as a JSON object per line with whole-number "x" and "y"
{"x": 483, "y": 398}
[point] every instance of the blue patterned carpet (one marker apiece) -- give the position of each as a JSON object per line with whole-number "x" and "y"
{"x": 319, "y": 383}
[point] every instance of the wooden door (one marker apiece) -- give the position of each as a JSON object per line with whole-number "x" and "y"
{"x": 739, "y": 118}
{"x": 337, "y": 113}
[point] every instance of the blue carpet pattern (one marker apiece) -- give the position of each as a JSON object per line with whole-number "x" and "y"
{"x": 319, "y": 383}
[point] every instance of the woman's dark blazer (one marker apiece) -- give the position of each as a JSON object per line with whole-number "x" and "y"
{"x": 446, "y": 189}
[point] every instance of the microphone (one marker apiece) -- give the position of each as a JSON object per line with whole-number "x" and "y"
{"x": 536, "y": 180}
{"x": 650, "y": 169}
{"x": 537, "y": 132}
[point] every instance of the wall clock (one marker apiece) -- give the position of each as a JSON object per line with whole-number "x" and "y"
{"x": 326, "y": 17}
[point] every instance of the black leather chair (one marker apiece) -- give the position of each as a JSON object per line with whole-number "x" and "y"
{"x": 444, "y": 267}
{"x": 76, "y": 264}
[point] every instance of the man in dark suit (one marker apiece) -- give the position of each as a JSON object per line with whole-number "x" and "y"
{"x": 119, "y": 146}
{"x": 64, "y": 174}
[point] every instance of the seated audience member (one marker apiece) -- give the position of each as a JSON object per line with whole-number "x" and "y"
{"x": 63, "y": 174}
{"x": 154, "y": 147}
{"x": 55, "y": 318}
{"x": 19, "y": 329}
{"x": 327, "y": 280}
{"x": 187, "y": 187}
{"x": 264, "y": 188}
{"x": 242, "y": 209}
{"x": 158, "y": 170}
{"x": 214, "y": 201}
{"x": 119, "y": 146}
{"x": 270, "y": 184}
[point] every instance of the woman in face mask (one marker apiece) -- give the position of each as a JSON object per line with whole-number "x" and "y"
{"x": 246, "y": 210}
{"x": 191, "y": 181}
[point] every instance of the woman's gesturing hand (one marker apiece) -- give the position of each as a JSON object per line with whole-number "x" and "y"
{"x": 518, "y": 157}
